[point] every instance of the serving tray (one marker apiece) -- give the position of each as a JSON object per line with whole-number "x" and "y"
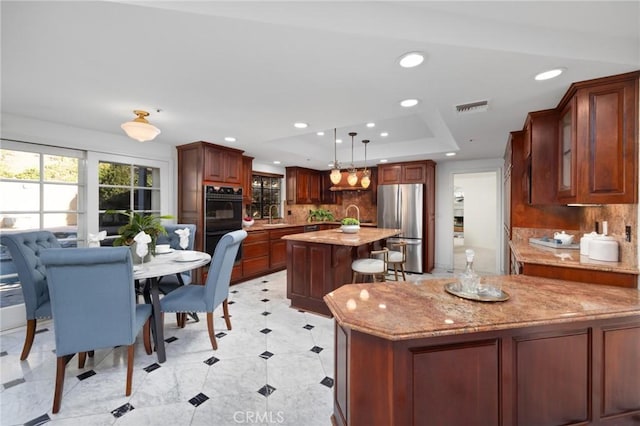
{"x": 454, "y": 288}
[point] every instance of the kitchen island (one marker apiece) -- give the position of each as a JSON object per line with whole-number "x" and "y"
{"x": 555, "y": 352}
{"x": 320, "y": 262}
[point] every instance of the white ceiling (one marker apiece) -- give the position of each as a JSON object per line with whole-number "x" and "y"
{"x": 251, "y": 69}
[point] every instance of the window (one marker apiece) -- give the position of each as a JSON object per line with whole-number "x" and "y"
{"x": 266, "y": 191}
{"x": 42, "y": 188}
{"x": 126, "y": 187}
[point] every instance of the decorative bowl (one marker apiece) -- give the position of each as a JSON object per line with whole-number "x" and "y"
{"x": 350, "y": 229}
{"x": 248, "y": 223}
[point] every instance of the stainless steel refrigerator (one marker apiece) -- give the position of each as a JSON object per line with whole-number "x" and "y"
{"x": 402, "y": 206}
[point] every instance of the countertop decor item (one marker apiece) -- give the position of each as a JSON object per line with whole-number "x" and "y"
{"x": 350, "y": 225}
{"x": 564, "y": 238}
{"x": 139, "y": 222}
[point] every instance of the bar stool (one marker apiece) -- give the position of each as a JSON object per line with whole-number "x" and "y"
{"x": 374, "y": 265}
{"x": 397, "y": 258}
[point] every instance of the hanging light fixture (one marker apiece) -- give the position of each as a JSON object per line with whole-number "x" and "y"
{"x": 336, "y": 175}
{"x": 366, "y": 173}
{"x": 352, "y": 179}
{"x": 140, "y": 129}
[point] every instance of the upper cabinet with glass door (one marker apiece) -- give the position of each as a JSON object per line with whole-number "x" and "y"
{"x": 567, "y": 166}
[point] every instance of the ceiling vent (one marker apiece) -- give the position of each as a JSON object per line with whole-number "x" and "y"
{"x": 478, "y": 106}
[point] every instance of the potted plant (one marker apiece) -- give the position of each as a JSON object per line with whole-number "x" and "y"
{"x": 150, "y": 224}
{"x": 320, "y": 215}
{"x": 350, "y": 225}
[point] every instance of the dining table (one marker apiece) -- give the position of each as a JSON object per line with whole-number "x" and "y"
{"x": 169, "y": 263}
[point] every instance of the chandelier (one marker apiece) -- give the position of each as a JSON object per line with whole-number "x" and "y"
{"x": 335, "y": 175}
{"x": 139, "y": 128}
{"x": 352, "y": 178}
{"x": 366, "y": 173}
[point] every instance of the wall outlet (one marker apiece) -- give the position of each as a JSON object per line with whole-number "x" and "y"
{"x": 627, "y": 233}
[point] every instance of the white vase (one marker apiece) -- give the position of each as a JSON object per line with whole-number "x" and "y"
{"x": 350, "y": 229}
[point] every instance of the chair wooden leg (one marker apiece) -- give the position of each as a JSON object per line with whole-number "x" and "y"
{"x": 395, "y": 270}
{"x": 82, "y": 357}
{"x": 146, "y": 336}
{"x": 178, "y": 318}
{"x": 28, "y": 340}
{"x": 212, "y": 335}
{"x": 61, "y": 365}
{"x": 354, "y": 278}
{"x": 404, "y": 278}
{"x": 130, "y": 353}
{"x": 225, "y": 310}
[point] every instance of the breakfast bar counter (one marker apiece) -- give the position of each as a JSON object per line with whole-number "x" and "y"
{"x": 319, "y": 262}
{"x": 555, "y": 352}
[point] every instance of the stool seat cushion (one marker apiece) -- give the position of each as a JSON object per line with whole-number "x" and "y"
{"x": 395, "y": 256}
{"x": 368, "y": 266}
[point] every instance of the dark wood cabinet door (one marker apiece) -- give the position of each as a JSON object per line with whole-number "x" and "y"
{"x": 567, "y": 160}
{"x": 247, "y": 177}
{"x": 414, "y": 173}
{"x": 314, "y": 187}
{"x": 389, "y": 174}
{"x": 213, "y": 164}
{"x": 608, "y": 135}
{"x": 232, "y": 167}
{"x": 543, "y": 142}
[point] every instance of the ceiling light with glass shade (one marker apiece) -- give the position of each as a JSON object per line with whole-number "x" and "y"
{"x": 352, "y": 178}
{"x": 365, "y": 181}
{"x": 335, "y": 175}
{"x": 139, "y": 128}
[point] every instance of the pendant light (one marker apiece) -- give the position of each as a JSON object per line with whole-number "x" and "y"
{"x": 336, "y": 175}
{"x": 352, "y": 179}
{"x": 139, "y": 128}
{"x": 366, "y": 173}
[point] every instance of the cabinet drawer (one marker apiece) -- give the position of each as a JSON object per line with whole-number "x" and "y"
{"x": 257, "y": 249}
{"x": 254, "y": 236}
{"x": 255, "y": 266}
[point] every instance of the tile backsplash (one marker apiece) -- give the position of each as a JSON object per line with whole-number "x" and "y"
{"x": 362, "y": 199}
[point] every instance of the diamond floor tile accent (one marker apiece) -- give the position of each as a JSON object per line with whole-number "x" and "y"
{"x": 308, "y": 327}
{"x": 198, "y": 399}
{"x": 211, "y": 361}
{"x": 266, "y": 390}
{"x": 86, "y": 375}
{"x": 13, "y": 383}
{"x": 327, "y": 381}
{"x": 316, "y": 349}
{"x": 266, "y": 355}
{"x": 39, "y": 420}
{"x": 171, "y": 339}
{"x": 266, "y": 330}
{"x": 151, "y": 367}
{"x": 122, "y": 410}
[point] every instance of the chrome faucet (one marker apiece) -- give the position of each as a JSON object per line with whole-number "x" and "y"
{"x": 270, "y": 211}
{"x": 346, "y": 211}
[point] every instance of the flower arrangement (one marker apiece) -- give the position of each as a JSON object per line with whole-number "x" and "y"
{"x": 150, "y": 224}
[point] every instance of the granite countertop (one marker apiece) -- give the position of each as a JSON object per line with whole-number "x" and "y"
{"x": 541, "y": 255}
{"x": 265, "y": 226}
{"x": 413, "y": 310}
{"x": 338, "y": 238}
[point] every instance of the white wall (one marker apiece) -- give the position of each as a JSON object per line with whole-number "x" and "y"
{"x": 445, "y": 172}
{"x": 479, "y": 214}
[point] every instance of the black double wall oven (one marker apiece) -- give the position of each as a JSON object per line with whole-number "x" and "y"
{"x": 222, "y": 214}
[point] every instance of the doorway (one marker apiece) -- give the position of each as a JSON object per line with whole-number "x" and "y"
{"x": 475, "y": 223}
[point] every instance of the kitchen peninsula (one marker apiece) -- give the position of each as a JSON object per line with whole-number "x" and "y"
{"x": 556, "y": 352}
{"x": 320, "y": 262}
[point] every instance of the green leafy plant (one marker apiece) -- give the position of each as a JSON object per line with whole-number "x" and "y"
{"x": 350, "y": 221}
{"x": 148, "y": 223}
{"x": 320, "y": 215}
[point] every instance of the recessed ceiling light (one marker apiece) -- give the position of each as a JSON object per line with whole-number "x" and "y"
{"x": 384, "y": 134}
{"x": 549, "y": 74}
{"x": 383, "y": 161}
{"x": 300, "y": 125}
{"x": 371, "y": 124}
{"x": 411, "y": 59}
{"x": 276, "y": 162}
{"x": 408, "y": 103}
{"x": 450, "y": 154}
{"x": 230, "y": 139}
{"x": 338, "y": 140}
{"x": 320, "y": 133}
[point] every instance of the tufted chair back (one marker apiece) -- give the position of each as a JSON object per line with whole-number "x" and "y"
{"x": 25, "y": 248}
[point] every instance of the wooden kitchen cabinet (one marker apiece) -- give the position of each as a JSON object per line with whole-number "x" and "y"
{"x": 255, "y": 254}
{"x": 411, "y": 172}
{"x": 278, "y": 247}
{"x": 247, "y": 179}
{"x": 222, "y": 164}
{"x": 540, "y": 144}
{"x": 303, "y": 185}
{"x": 605, "y": 128}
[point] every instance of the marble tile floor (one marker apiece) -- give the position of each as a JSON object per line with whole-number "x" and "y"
{"x": 274, "y": 367}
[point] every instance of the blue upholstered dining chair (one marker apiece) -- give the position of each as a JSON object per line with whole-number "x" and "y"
{"x": 198, "y": 298}
{"x": 170, "y": 282}
{"x": 25, "y": 249}
{"x": 93, "y": 305}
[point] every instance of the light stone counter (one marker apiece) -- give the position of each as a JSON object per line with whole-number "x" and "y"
{"x": 541, "y": 255}
{"x": 336, "y": 237}
{"x": 405, "y": 310}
